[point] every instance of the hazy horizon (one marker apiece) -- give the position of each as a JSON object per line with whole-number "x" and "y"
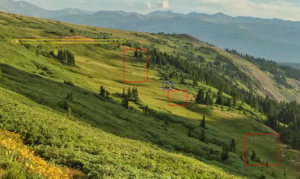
{"x": 285, "y": 10}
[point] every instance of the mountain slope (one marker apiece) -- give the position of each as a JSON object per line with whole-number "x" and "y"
{"x": 26, "y": 8}
{"x": 113, "y": 156}
{"x": 165, "y": 137}
{"x": 4, "y": 9}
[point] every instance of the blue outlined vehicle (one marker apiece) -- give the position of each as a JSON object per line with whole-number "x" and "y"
{"x": 166, "y": 86}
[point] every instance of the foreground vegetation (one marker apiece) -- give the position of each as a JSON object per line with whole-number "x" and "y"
{"x": 95, "y": 152}
{"x": 19, "y": 162}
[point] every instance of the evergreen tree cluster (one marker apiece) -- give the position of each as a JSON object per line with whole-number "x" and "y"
{"x": 138, "y": 54}
{"x": 131, "y": 95}
{"x": 197, "y": 73}
{"x": 104, "y": 93}
{"x": 204, "y": 98}
{"x": 65, "y": 56}
{"x": 226, "y": 149}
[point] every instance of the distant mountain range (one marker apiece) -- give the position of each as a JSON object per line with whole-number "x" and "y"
{"x": 294, "y": 65}
{"x": 28, "y": 9}
{"x": 273, "y": 39}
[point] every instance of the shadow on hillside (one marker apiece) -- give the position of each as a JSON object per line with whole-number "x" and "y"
{"x": 42, "y": 90}
{"x": 128, "y": 83}
{"x": 197, "y": 108}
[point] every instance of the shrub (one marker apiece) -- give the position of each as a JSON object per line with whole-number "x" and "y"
{"x": 69, "y": 83}
{"x": 63, "y": 104}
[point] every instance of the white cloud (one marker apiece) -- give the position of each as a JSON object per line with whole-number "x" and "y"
{"x": 278, "y": 9}
{"x": 148, "y": 5}
{"x": 164, "y": 4}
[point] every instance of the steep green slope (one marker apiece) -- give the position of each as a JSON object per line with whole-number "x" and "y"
{"x": 95, "y": 152}
{"x": 40, "y": 78}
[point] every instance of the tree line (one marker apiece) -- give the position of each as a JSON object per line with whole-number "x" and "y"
{"x": 278, "y": 113}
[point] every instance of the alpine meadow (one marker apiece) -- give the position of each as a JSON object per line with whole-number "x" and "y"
{"x": 75, "y": 110}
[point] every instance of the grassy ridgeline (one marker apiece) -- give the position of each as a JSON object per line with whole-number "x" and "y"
{"x": 96, "y": 153}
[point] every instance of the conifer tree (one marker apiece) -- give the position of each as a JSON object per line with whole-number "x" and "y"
{"x": 136, "y": 92}
{"x": 102, "y": 91}
{"x": 123, "y": 95}
{"x": 202, "y": 136}
{"x": 220, "y": 98}
{"x": 125, "y": 102}
{"x": 207, "y": 99}
{"x": 107, "y": 94}
{"x": 200, "y": 96}
{"x": 59, "y": 54}
{"x": 232, "y": 145}
{"x": 202, "y": 123}
{"x": 133, "y": 92}
{"x": 224, "y": 154}
{"x": 253, "y": 156}
{"x": 141, "y": 55}
{"x": 129, "y": 92}
{"x": 136, "y": 54}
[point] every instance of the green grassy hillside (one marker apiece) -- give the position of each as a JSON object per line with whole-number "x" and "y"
{"x": 101, "y": 138}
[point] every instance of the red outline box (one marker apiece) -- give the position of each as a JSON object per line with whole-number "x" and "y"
{"x": 278, "y": 150}
{"x": 124, "y": 67}
{"x": 187, "y": 97}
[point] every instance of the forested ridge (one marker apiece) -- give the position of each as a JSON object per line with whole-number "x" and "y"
{"x": 283, "y": 117}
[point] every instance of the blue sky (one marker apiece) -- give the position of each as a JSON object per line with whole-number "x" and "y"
{"x": 282, "y": 9}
